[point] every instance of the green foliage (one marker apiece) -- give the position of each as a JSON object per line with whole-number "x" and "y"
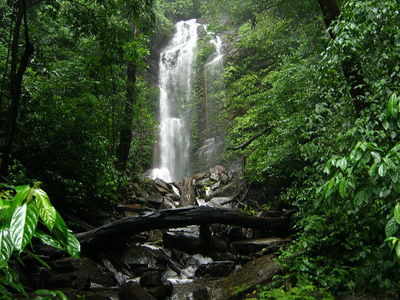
{"x": 304, "y": 291}
{"x": 180, "y": 9}
{"x": 337, "y": 163}
{"x": 74, "y": 95}
{"x": 22, "y": 210}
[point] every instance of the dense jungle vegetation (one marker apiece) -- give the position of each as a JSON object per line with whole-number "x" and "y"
{"x": 312, "y": 101}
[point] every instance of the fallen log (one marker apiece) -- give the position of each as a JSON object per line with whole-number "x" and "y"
{"x": 174, "y": 218}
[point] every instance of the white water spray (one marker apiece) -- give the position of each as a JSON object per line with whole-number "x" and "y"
{"x": 175, "y": 82}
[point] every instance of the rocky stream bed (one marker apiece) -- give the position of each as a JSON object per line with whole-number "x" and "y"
{"x": 214, "y": 256}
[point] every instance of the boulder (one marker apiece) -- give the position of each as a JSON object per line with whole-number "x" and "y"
{"x": 256, "y": 272}
{"x": 76, "y": 273}
{"x": 225, "y": 191}
{"x": 255, "y": 245}
{"x": 201, "y": 294}
{"x": 140, "y": 259}
{"x": 132, "y": 291}
{"x": 220, "y": 202}
{"x": 217, "y": 172}
{"x": 161, "y": 292}
{"x": 162, "y": 186}
{"x": 215, "y": 269}
{"x": 151, "y": 279}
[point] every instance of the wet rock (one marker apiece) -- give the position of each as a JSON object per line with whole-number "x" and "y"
{"x": 258, "y": 271}
{"x": 151, "y": 279}
{"x": 173, "y": 197}
{"x": 201, "y": 294}
{"x": 217, "y": 172}
{"x": 236, "y": 234}
{"x": 215, "y": 269}
{"x": 76, "y": 273}
{"x": 155, "y": 235}
{"x": 220, "y": 202}
{"x": 183, "y": 242}
{"x": 132, "y": 291}
{"x": 161, "y": 292}
{"x": 215, "y": 185}
{"x": 97, "y": 297}
{"x": 162, "y": 186}
{"x": 119, "y": 276}
{"x": 168, "y": 203}
{"x": 139, "y": 259}
{"x": 254, "y": 245}
{"x": 225, "y": 191}
{"x": 92, "y": 294}
{"x": 155, "y": 199}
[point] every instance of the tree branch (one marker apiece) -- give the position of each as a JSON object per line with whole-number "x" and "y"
{"x": 251, "y": 140}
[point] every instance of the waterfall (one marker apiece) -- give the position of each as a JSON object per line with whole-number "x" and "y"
{"x": 213, "y": 142}
{"x": 175, "y": 83}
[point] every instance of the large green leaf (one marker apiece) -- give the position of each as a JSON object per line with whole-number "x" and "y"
{"x": 391, "y": 227}
{"x": 6, "y": 246}
{"x": 73, "y": 246}
{"x": 66, "y": 237}
{"x": 23, "y": 225}
{"x": 47, "y": 212}
{"x": 397, "y": 213}
{"x": 48, "y": 240}
{"x": 361, "y": 197}
{"x": 398, "y": 250}
{"x": 10, "y": 205}
{"x": 61, "y": 232}
{"x": 392, "y": 107}
{"x": 22, "y": 194}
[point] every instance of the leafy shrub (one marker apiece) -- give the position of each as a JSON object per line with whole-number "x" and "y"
{"x": 305, "y": 291}
{"x": 24, "y": 211}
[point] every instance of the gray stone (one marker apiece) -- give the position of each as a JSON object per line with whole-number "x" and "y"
{"x": 77, "y": 273}
{"x": 151, "y": 279}
{"x": 215, "y": 269}
{"x": 221, "y": 202}
{"x": 254, "y": 245}
{"x": 201, "y": 294}
{"x": 140, "y": 259}
{"x": 161, "y": 292}
{"x": 132, "y": 291}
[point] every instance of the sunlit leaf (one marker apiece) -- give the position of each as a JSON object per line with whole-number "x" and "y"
{"x": 6, "y": 246}
{"x": 382, "y": 170}
{"x": 23, "y": 225}
{"x": 48, "y": 240}
{"x": 391, "y": 227}
{"x": 397, "y": 213}
{"x": 47, "y": 212}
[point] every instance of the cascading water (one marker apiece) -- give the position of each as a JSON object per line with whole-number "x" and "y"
{"x": 175, "y": 83}
{"x": 213, "y": 141}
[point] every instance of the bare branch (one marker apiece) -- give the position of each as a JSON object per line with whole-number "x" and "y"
{"x": 251, "y": 140}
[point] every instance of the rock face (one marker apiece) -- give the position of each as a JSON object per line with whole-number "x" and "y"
{"x": 132, "y": 291}
{"x": 254, "y": 245}
{"x": 75, "y": 273}
{"x": 259, "y": 271}
{"x": 215, "y": 269}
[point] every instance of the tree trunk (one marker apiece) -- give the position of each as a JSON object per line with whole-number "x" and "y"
{"x": 350, "y": 66}
{"x": 17, "y": 71}
{"x": 125, "y": 138}
{"x": 122, "y": 229}
{"x": 330, "y": 11}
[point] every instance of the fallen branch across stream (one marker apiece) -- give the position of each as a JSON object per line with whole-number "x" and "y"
{"x": 173, "y": 218}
